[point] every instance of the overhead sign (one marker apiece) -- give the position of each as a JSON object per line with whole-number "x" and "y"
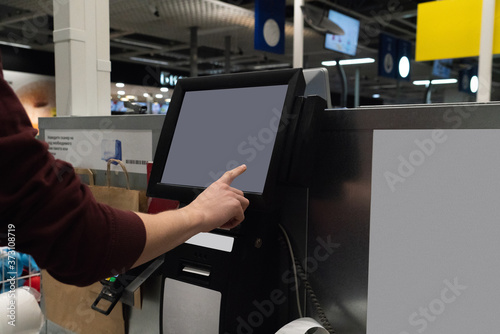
{"x": 452, "y": 29}
{"x": 387, "y": 56}
{"x": 404, "y": 56}
{"x": 442, "y": 68}
{"x": 270, "y": 26}
{"x": 468, "y": 81}
{"x": 394, "y": 57}
{"x": 169, "y": 79}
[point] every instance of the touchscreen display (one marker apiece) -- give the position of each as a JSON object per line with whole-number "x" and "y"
{"x": 348, "y": 42}
{"x": 218, "y": 130}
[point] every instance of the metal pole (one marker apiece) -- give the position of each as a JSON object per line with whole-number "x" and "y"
{"x": 486, "y": 51}
{"x": 343, "y": 83}
{"x": 356, "y": 89}
{"x": 193, "y": 59}
{"x": 227, "y": 54}
{"x": 398, "y": 88}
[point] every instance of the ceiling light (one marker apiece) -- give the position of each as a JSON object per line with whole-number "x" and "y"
{"x": 145, "y": 95}
{"x": 329, "y": 63}
{"x": 164, "y": 89}
{"x": 421, "y": 82}
{"x": 150, "y": 61}
{"x": 404, "y": 67}
{"x": 121, "y": 92}
{"x": 136, "y": 43}
{"x": 376, "y": 96}
{"x": 435, "y": 82}
{"x": 131, "y": 97}
{"x": 120, "y": 84}
{"x": 159, "y": 96}
{"x": 444, "y": 81}
{"x": 474, "y": 84}
{"x": 356, "y": 61}
{"x": 16, "y": 45}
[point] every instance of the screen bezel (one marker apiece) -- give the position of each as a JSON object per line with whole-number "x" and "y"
{"x": 185, "y": 194}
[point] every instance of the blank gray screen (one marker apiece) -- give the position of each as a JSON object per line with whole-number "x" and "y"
{"x": 218, "y": 130}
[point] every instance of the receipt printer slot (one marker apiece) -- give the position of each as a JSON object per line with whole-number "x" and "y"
{"x": 195, "y": 270}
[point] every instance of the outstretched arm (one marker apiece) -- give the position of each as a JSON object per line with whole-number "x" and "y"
{"x": 219, "y": 205}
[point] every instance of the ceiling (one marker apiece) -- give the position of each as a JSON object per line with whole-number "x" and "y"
{"x": 158, "y": 31}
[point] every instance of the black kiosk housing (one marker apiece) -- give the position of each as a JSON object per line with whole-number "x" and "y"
{"x": 230, "y": 281}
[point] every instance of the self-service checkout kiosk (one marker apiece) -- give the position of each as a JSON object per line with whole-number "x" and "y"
{"x": 231, "y": 281}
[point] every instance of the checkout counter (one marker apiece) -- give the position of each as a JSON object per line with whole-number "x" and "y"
{"x": 394, "y": 220}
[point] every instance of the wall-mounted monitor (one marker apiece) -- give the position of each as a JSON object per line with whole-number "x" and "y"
{"x": 216, "y": 123}
{"x": 348, "y": 42}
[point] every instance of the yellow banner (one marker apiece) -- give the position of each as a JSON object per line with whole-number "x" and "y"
{"x": 451, "y": 29}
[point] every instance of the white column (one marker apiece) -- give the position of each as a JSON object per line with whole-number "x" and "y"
{"x": 486, "y": 51}
{"x": 81, "y": 42}
{"x": 298, "y": 34}
{"x": 103, "y": 87}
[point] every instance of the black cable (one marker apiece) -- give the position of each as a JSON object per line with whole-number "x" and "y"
{"x": 292, "y": 258}
{"x": 314, "y": 300}
{"x": 299, "y": 271}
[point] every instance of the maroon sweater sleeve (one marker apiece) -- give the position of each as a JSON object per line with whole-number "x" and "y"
{"x": 54, "y": 217}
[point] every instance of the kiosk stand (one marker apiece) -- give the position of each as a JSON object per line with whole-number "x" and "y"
{"x": 231, "y": 281}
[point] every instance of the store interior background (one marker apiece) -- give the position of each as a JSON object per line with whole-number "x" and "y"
{"x": 152, "y": 36}
{"x": 148, "y": 36}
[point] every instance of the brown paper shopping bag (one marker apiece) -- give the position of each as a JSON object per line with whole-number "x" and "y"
{"x": 70, "y": 306}
{"x": 120, "y": 198}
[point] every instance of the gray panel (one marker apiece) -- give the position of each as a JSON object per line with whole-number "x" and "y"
{"x": 146, "y": 319}
{"x": 340, "y": 198}
{"x": 190, "y": 309}
{"x": 434, "y": 232}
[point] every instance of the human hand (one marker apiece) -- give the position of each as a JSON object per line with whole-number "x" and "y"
{"x": 220, "y": 205}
